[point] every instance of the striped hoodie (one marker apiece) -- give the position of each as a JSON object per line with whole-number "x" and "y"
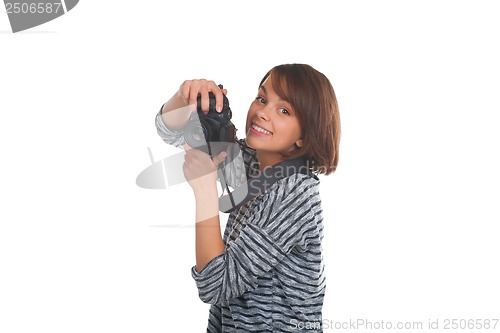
{"x": 270, "y": 277}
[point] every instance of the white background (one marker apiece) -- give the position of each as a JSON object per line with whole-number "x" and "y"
{"x": 411, "y": 214}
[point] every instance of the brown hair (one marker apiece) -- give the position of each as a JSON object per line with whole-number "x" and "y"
{"x": 311, "y": 95}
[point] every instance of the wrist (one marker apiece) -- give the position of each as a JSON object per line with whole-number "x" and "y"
{"x": 205, "y": 190}
{"x": 175, "y": 118}
{"x": 207, "y": 203}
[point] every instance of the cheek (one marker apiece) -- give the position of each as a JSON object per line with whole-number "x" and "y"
{"x": 250, "y": 115}
{"x": 290, "y": 129}
{"x": 283, "y": 126}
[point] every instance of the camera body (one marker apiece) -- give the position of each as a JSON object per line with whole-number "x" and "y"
{"x": 212, "y": 132}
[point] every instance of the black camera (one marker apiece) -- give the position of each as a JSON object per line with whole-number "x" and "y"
{"x": 212, "y": 132}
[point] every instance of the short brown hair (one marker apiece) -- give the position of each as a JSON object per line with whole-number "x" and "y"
{"x": 311, "y": 95}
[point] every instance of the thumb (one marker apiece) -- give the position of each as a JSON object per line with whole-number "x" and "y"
{"x": 219, "y": 158}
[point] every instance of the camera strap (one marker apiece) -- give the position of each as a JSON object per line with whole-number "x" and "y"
{"x": 259, "y": 184}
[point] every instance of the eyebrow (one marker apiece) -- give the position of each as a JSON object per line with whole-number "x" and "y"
{"x": 289, "y": 107}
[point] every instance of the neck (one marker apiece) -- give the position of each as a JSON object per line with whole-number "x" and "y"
{"x": 268, "y": 159}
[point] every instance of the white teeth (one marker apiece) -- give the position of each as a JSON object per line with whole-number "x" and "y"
{"x": 260, "y": 129}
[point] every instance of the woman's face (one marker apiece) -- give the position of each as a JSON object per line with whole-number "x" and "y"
{"x": 272, "y": 125}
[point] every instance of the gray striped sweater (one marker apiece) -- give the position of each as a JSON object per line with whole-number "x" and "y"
{"x": 270, "y": 277}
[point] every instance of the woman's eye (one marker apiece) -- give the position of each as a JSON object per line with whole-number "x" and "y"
{"x": 284, "y": 111}
{"x": 260, "y": 100}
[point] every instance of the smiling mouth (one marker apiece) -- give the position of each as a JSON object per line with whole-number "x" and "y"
{"x": 260, "y": 129}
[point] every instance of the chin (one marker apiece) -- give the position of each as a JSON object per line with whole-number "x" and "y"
{"x": 248, "y": 141}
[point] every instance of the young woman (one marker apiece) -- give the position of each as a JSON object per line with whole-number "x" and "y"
{"x": 266, "y": 273}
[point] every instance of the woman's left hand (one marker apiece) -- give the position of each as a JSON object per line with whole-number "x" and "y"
{"x": 199, "y": 169}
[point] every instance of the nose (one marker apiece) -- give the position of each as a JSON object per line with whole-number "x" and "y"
{"x": 263, "y": 114}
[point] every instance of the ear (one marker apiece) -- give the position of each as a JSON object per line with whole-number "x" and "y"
{"x": 299, "y": 143}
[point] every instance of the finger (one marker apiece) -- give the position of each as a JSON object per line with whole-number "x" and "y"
{"x": 184, "y": 91}
{"x": 219, "y": 97}
{"x": 205, "y": 100}
{"x": 194, "y": 88}
{"x": 198, "y": 154}
{"x": 186, "y": 147}
{"x": 219, "y": 158}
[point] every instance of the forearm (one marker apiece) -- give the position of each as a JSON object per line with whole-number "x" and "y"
{"x": 209, "y": 242}
{"x": 175, "y": 113}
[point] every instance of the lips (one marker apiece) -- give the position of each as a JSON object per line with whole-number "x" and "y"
{"x": 260, "y": 129}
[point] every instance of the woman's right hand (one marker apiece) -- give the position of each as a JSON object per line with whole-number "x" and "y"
{"x": 189, "y": 90}
{"x": 177, "y": 110}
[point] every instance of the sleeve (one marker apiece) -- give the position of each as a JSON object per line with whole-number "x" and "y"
{"x": 242, "y": 166}
{"x": 174, "y": 138}
{"x": 287, "y": 216}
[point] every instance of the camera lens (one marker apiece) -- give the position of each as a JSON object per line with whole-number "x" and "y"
{"x": 199, "y": 133}
{"x": 196, "y": 133}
